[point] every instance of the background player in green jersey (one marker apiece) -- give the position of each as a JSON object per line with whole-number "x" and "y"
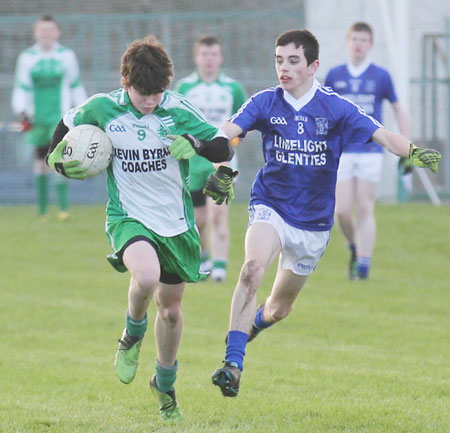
{"x": 150, "y": 218}
{"x": 218, "y": 97}
{"x": 47, "y": 84}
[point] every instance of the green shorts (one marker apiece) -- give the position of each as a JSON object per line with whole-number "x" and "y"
{"x": 40, "y": 135}
{"x": 178, "y": 255}
{"x": 199, "y": 171}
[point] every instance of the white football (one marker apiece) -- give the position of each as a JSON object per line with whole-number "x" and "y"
{"x": 91, "y": 146}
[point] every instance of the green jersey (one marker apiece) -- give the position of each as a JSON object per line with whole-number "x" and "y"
{"x": 218, "y": 101}
{"x": 144, "y": 182}
{"x": 47, "y": 84}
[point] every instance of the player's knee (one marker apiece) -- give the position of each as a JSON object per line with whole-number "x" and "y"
{"x": 365, "y": 210}
{"x": 279, "y": 312}
{"x": 222, "y": 233}
{"x": 343, "y": 214}
{"x": 220, "y": 217}
{"x": 171, "y": 313}
{"x": 251, "y": 274}
{"x": 146, "y": 282}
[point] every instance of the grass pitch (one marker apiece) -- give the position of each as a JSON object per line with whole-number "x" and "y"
{"x": 368, "y": 356}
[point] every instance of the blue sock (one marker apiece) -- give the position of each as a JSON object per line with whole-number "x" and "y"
{"x": 364, "y": 266}
{"x": 235, "y": 353}
{"x": 259, "y": 321}
{"x": 352, "y": 248}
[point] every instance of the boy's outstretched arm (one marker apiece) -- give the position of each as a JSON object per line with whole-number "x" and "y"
{"x": 401, "y": 146}
{"x": 218, "y": 149}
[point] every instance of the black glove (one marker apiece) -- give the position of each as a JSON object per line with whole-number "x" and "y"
{"x": 220, "y": 185}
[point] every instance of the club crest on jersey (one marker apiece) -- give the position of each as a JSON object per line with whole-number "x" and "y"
{"x": 278, "y": 121}
{"x": 321, "y": 126}
{"x": 354, "y": 84}
{"x": 162, "y": 132}
{"x": 370, "y": 86}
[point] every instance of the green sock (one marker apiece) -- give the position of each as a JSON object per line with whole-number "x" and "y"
{"x": 41, "y": 183}
{"x": 220, "y": 264}
{"x": 166, "y": 376}
{"x": 62, "y": 193}
{"x": 205, "y": 256}
{"x": 136, "y": 328}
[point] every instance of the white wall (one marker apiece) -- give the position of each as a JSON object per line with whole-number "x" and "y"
{"x": 329, "y": 20}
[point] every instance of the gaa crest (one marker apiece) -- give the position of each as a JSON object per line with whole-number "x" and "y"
{"x": 321, "y": 126}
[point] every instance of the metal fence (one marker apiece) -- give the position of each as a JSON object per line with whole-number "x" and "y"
{"x": 434, "y": 90}
{"x": 100, "y": 39}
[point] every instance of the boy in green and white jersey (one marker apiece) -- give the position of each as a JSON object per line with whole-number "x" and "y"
{"x": 47, "y": 84}
{"x": 150, "y": 218}
{"x": 218, "y": 97}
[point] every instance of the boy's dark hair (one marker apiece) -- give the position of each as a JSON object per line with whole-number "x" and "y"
{"x": 47, "y": 18}
{"x": 146, "y": 67}
{"x": 361, "y": 26}
{"x": 207, "y": 40}
{"x": 301, "y": 38}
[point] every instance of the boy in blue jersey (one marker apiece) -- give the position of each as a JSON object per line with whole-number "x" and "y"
{"x": 304, "y": 129}
{"x": 367, "y": 85}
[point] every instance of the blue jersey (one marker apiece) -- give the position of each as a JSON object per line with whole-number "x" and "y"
{"x": 368, "y": 90}
{"x": 302, "y": 142}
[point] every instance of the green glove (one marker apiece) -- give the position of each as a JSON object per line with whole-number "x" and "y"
{"x": 405, "y": 166}
{"x": 424, "y": 157}
{"x": 184, "y": 146}
{"x": 220, "y": 185}
{"x": 70, "y": 169}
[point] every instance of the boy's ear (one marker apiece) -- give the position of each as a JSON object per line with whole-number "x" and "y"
{"x": 314, "y": 66}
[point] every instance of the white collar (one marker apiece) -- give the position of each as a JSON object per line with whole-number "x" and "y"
{"x": 298, "y": 104}
{"x": 356, "y": 71}
{"x": 122, "y": 97}
{"x": 54, "y": 49}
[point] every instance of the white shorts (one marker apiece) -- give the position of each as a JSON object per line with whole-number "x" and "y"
{"x": 367, "y": 166}
{"x": 301, "y": 250}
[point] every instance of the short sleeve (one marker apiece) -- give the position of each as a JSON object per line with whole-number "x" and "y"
{"x": 389, "y": 90}
{"x": 248, "y": 117}
{"x": 357, "y": 126}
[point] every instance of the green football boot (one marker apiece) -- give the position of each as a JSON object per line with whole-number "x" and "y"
{"x": 168, "y": 406}
{"x": 127, "y": 357}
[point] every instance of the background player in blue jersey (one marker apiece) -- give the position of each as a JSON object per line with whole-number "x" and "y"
{"x": 367, "y": 85}
{"x": 304, "y": 129}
